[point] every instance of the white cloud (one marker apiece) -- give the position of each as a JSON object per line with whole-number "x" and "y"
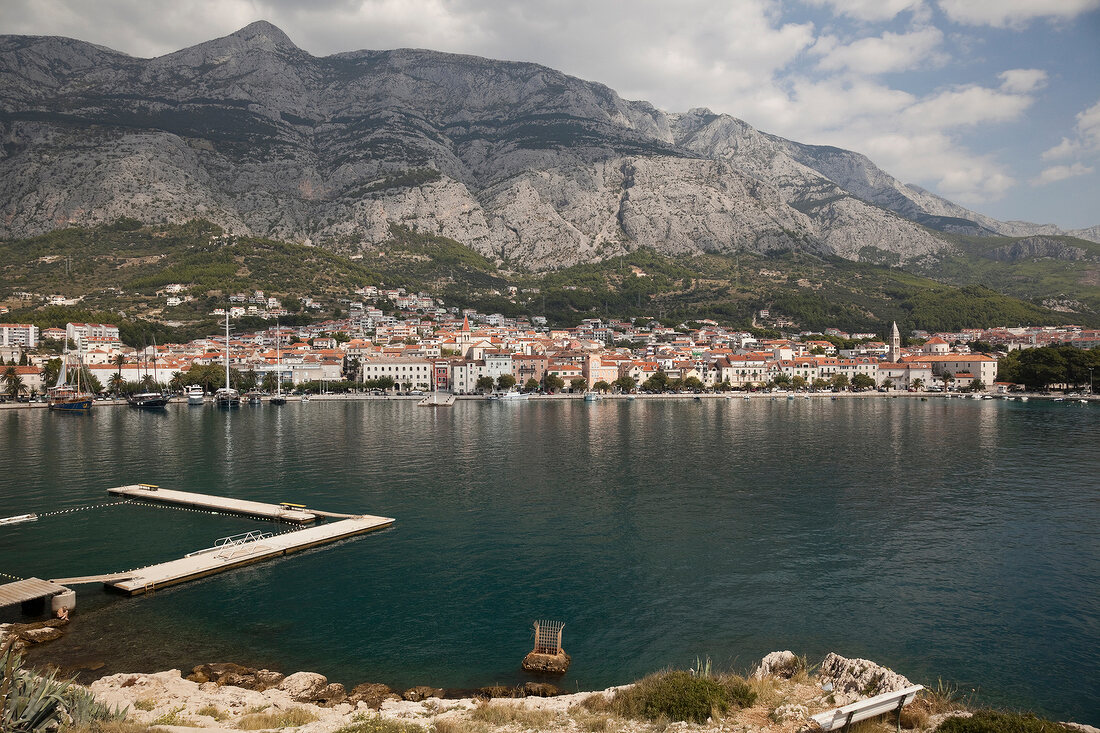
{"x": 1022, "y": 81}
{"x": 1086, "y": 139}
{"x": 889, "y": 52}
{"x": 1013, "y": 13}
{"x": 1062, "y": 172}
{"x": 969, "y": 105}
{"x": 870, "y": 10}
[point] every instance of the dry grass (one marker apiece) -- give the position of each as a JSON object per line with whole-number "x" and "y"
{"x": 509, "y": 713}
{"x": 769, "y": 691}
{"x": 378, "y": 724}
{"x": 944, "y": 697}
{"x": 915, "y": 716}
{"x": 146, "y": 704}
{"x": 594, "y": 703}
{"x": 109, "y": 726}
{"x": 458, "y": 725}
{"x": 173, "y": 717}
{"x": 291, "y": 718}
{"x": 211, "y": 712}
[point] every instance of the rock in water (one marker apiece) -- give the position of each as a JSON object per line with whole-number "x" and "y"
{"x": 859, "y": 677}
{"x": 541, "y": 689}
{"x": 422, "y": 692}
{"x": 778, "y": 664}
{"x": 235, "y": 675}
{"x": 547, "y": 663}
{"x": 372, "y": 694}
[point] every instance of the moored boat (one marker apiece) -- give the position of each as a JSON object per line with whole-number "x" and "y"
{"x": 149, "y": 400}
{"x": 195, "y": 395}
{"x": 227, "y": 396}
{"x": 66, "y": 397}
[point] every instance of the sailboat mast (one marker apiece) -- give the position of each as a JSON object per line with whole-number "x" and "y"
{"x": 155, "y": 380}
{"x": 227, "y": 350}
{"x": 278, "y": 361}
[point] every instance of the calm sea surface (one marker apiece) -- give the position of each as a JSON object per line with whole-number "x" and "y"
{"x": 946, "y": 539}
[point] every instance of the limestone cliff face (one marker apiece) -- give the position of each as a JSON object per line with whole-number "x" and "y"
{"x": 518, "y": 161}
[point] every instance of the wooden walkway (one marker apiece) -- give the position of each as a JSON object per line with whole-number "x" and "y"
{"x": 30, "y": 589}
{"x": 147, "y": 492}
{"x": 248, "y": 550}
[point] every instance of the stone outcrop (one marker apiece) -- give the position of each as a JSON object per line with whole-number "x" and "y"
{"x": 782, "y": 664}
{"x": 547, "y": 663}
{"x": 34, "y": 632}
{"x": 313, "y": 687}
{"x": 522, "y": 163}
{"x": 372, "y": 694}
{"x": 853, "y": 679}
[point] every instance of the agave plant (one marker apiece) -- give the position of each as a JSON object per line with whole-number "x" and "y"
{"x": 29, "y": 703}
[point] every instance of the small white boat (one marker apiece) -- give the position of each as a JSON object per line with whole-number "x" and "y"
{"x": 195, "y": 395}
{"x": 1023, "y": 398}
{"x": 592, "y": 396}
{"x": 19, "y": 519}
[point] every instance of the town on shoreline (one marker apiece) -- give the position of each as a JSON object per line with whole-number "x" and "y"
{"x": 396, "y": 343}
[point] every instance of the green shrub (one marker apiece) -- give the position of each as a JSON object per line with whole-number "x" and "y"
{"x": 991, "y": 721}
{"x": 674, "y": 695}
{"x": 30, "y": 703}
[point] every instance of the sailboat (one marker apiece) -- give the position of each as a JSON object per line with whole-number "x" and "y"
{"x": 227, "y": 396}
{"x": 150, "y": 400}
{"x": 278, "y": 398}
{"x": 70, "y": 397}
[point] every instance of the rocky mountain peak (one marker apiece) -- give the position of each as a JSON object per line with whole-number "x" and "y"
{"x": 265, "y": 35}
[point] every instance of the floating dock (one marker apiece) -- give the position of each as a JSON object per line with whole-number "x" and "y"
{"x": 233, "y": 552}
{"x": 278, "y": 512}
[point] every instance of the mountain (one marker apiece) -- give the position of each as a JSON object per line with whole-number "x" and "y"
{"x": 528, "y": 166}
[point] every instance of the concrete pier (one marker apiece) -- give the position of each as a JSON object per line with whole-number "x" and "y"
{"x": 247, "y": 549}
{"x": 30, "y": 593}
{"x": 279, "y": 512}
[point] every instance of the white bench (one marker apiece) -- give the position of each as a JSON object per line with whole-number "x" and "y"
{"x": 870, "y": 708}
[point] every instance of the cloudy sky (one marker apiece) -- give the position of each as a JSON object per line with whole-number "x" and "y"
{"x": 994, "y": 104}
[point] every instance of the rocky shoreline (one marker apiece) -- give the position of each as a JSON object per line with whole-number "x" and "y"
{"x": 230, "y": 696}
